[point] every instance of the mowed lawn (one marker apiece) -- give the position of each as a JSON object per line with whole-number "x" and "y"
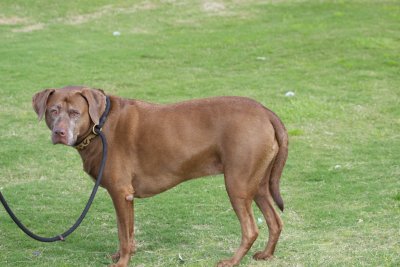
{"x": 341, "y": 185}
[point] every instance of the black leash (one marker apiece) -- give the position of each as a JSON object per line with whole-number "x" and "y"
{"x": 97, "y": 130}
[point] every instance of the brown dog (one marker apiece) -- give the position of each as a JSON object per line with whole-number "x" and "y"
{"x": 152, "y": 148}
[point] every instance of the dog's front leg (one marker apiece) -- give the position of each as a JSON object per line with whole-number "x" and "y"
{"x": 123, "y": 203}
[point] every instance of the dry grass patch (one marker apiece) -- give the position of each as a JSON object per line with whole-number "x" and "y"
{"x": 14, "y": 20}
{"x": 105, "y": 11}
{"x": 30, "y": 28}
{"x": 213, "y": 6}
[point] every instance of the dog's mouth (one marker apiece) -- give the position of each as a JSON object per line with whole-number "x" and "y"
{"x": 64, "y": 139}
{"x": 56, "y": 139}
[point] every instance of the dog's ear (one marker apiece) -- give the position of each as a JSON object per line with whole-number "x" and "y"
{"x": 39, "y": 102}
{"x": 97, "y": 103}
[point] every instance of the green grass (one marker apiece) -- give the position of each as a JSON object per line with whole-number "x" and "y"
{"x": 341, "y": 185}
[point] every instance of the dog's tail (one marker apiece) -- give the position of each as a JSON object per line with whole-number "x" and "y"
{"x": 281, "y": 136}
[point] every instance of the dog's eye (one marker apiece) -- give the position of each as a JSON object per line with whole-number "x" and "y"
{"x": 54, "y": 112}
{"x": 74, "y": 113}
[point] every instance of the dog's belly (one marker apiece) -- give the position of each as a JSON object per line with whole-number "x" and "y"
{"x": 152, "y": 182}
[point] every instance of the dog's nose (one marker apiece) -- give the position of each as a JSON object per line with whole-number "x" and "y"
{"x": 59, "y": 132}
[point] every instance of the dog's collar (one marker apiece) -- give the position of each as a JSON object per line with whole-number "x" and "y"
{"x": 85, "y": 142}
{"x": 96, "y": 128}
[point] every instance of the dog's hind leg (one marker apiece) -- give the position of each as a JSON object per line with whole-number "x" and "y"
{"x": 264, "y": 201}
{"x": 249, "y": 229}
{"x": 241, "y": 194}
{"x": 275, "y": 226}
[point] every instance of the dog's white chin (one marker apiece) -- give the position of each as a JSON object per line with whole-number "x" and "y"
{"x": 59, "y": 140}
{"x": 68, "y": 140}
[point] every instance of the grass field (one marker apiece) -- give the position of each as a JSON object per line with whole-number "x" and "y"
{"x": 341, "y": 185}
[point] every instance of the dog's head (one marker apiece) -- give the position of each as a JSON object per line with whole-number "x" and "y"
{"x": 70, "y": 112}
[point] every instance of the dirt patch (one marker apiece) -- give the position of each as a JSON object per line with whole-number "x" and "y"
{"x": 218, "y": 8}
{"x": 80, "y": 19}
{"x": 188, "y": 22}
{"x": 146, "y": 6}
{"x": 106, "y": 10}
{"x": 30, "y": 28}
{"x": 27, "y": 25}
{"x": 140, "y": 30}
{"x": 213, "y": 7}
{"x": 12, "y": 21}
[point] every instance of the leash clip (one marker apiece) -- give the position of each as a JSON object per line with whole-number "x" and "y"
{"x": 96, "y": 129}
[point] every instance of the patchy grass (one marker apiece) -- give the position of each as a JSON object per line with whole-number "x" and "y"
{"x": 341, "y": 185}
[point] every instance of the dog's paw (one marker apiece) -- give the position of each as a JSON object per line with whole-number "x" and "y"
{"x": 118, "y": 264}
{"x": 261, "y": 255}
{"x": 115, "y": 257}
{"x": 226, "y": 263}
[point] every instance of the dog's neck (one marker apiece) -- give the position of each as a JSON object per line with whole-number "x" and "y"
{"x": 86, "y": 141}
